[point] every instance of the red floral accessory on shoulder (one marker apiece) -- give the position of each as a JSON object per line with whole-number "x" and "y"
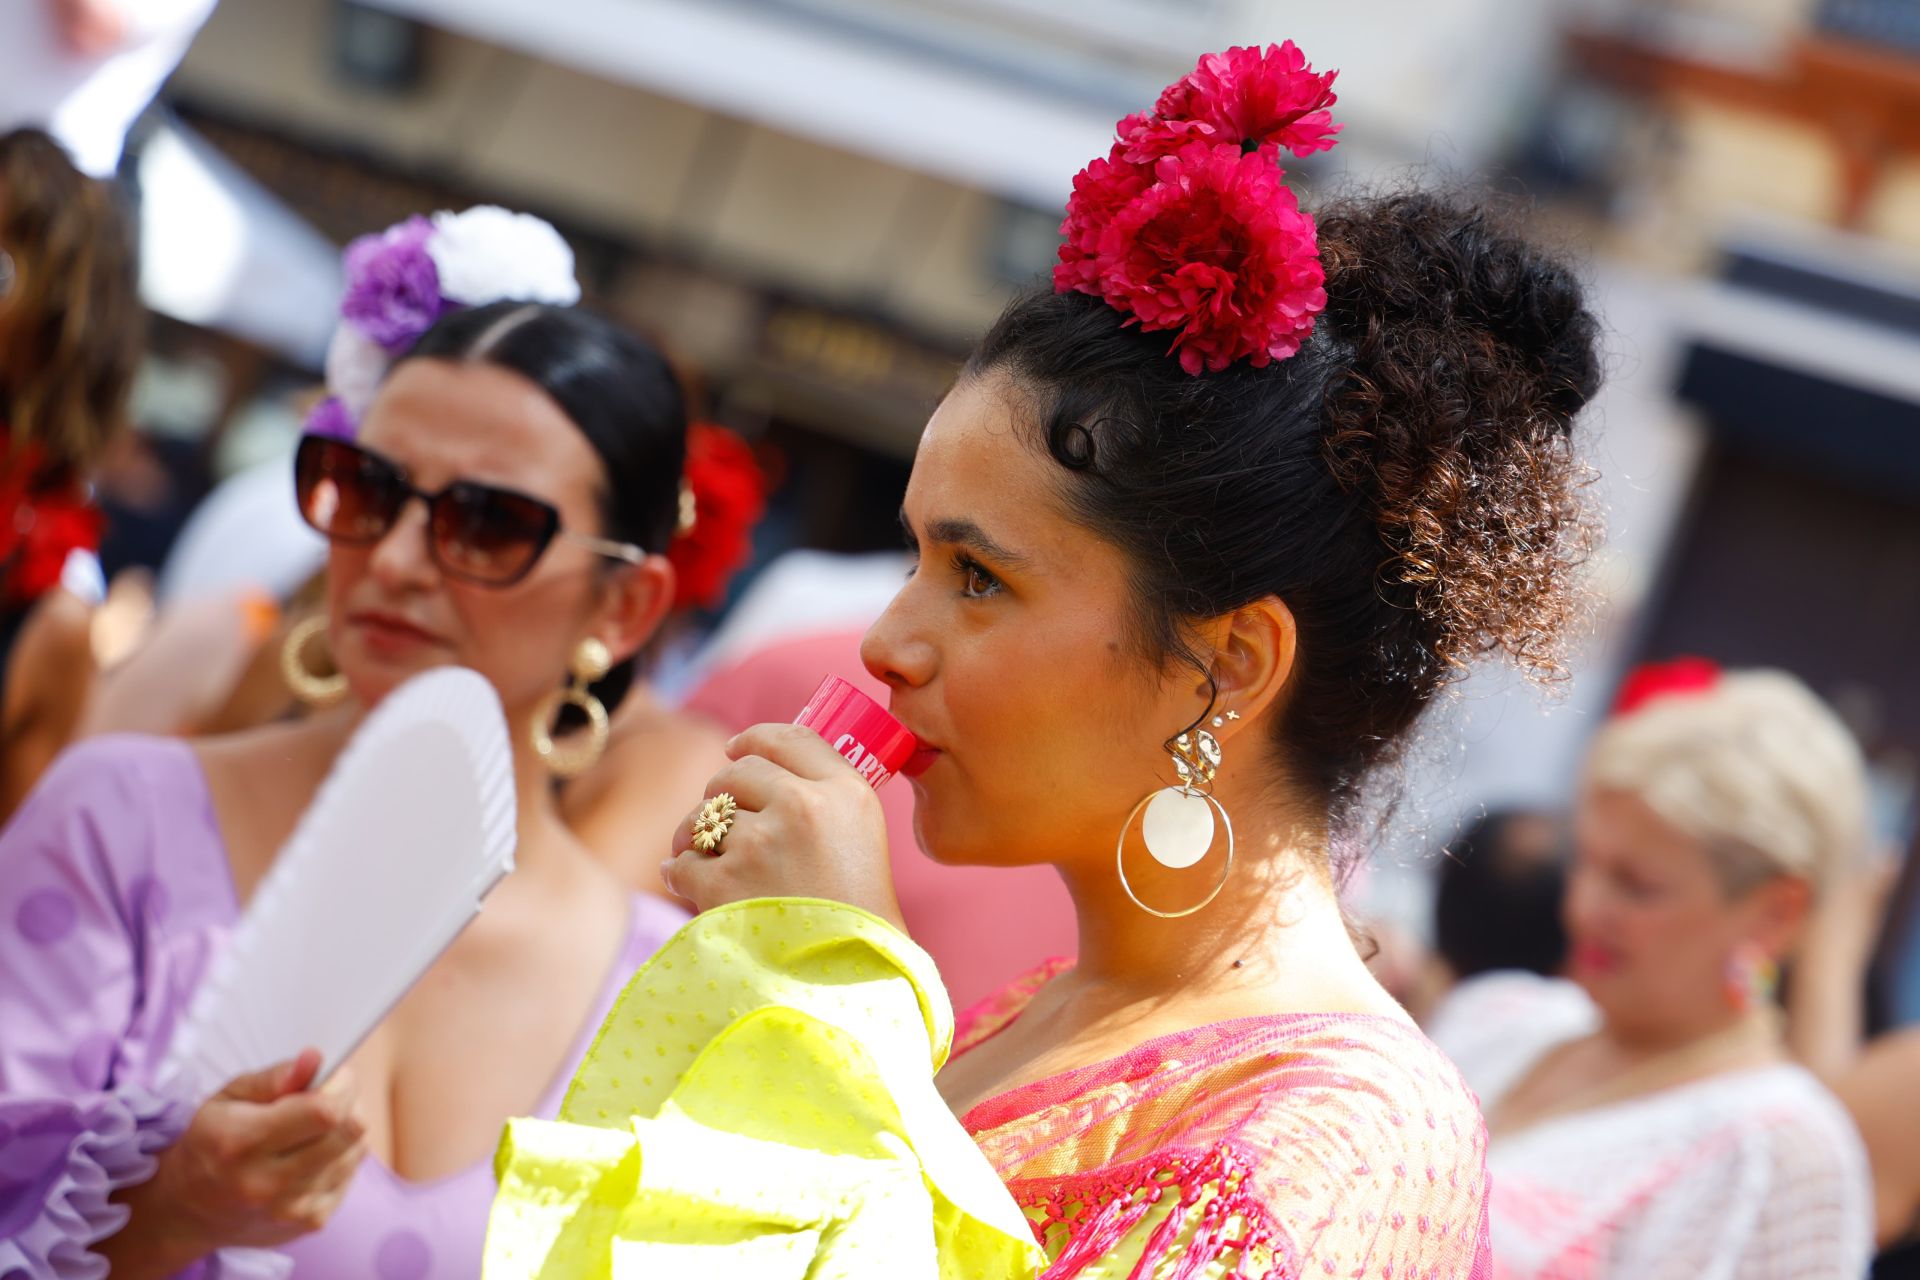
{"x": 724, "y": 496}
{"x": 1187, "y": 224}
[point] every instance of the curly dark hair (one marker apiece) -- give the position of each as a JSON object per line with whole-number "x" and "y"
{"x": 1407, "y": 483}
{"x": 73, "y": 324}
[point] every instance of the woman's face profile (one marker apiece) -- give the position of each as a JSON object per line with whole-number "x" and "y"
{"x": 1011, "y": 650}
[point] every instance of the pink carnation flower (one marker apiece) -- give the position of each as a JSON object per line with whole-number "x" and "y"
{"x": 1100, "y": 191}
{"x": 1187, "y": 225}
{"x": 1258, "y": 100}
{"x": 1218, "y": 251}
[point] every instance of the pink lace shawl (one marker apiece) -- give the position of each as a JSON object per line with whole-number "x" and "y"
{"x": 1292, "y": 1146}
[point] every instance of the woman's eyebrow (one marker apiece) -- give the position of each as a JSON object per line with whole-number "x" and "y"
{"x": 961, "y": 532}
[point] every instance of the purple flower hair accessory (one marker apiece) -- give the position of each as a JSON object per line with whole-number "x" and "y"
{"x": 330, "y": 418}
{"x": 393, "y": 287}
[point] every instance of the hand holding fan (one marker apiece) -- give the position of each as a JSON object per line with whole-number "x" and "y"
{"x": 411, "y": 829}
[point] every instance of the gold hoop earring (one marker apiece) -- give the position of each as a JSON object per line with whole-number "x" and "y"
{"x": 580, "y": 751}
{"x": 1178, "y": 827}
{"x": 311, "y": 689}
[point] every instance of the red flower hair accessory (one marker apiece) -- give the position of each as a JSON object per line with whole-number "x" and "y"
{"x": 1680, "y": 677}
{"x": 728, "y": 493}
{"x": 42, "y": 523}
{"x": 1186, "y": 224}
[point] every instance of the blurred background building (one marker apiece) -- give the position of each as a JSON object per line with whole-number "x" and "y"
{"x": 818, "y": 203}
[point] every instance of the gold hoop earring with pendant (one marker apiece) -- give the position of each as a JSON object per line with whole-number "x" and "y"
{"x": 577, "y": 752}
{"x": 1177, "y": 822}
{"x": 313, "y": 690}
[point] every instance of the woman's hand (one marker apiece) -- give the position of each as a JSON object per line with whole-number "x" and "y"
{"x": 263, "y": 1162}
{"x": 808, "y": 827}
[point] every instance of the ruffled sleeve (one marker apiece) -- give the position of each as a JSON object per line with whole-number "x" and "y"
{"x": 75, "y": 905}
{"x": 760, "y": 1102}
{"x": 60, "y": 1161}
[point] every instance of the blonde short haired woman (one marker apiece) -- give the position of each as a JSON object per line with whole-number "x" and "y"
{"x": 1675, "y": 1136}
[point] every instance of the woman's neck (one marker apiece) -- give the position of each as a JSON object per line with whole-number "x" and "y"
{"x": 1275, "y": 935}
{"x": 1716, "y": 1024}
{"x": 545, "y": 844}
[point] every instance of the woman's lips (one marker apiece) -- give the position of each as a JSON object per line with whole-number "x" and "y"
{"x": 1591, "y": 957}
{"x": 920, "y": 761}
{"x": 389, "y": 635}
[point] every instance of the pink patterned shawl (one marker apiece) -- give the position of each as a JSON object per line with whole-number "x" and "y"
{"x": 1291, "y": 1146}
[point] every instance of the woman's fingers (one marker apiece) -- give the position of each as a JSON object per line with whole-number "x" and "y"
{"x": 754, "y": 782}
{"x": 311, "y": 1163}
{"x": 795, "y": 748}
{"x": 282, "y": 1127}
{"x": 695, "y": 876}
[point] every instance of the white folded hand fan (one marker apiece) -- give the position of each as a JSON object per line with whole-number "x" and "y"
{"x": 410, "y": 830}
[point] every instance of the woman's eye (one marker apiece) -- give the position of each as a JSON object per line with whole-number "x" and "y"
{"x": 975, "y": 581}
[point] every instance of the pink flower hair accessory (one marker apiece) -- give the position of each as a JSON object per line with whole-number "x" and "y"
{"x": 1187, "y": 224}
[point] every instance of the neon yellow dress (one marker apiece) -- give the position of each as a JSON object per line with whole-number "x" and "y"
{"x": 760, "y": 1103}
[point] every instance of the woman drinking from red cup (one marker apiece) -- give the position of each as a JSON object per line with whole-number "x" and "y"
{"x": 1200, "y": 533}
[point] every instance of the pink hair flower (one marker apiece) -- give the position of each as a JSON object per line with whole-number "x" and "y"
{"x": 1187, "y": 224}
{"x": 1218, "y": 251}
{"x": 1260, "y": 100}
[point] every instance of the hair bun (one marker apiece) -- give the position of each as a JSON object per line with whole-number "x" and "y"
{"x": 1471, "y": 353}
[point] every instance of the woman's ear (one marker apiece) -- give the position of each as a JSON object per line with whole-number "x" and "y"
{"x": 1254, "y": 649}
{"x": 637, "y": 600}
{"x": 1780, "y": 908}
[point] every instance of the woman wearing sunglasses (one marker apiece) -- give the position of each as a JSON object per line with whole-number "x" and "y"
{"x": 501, "y": 506}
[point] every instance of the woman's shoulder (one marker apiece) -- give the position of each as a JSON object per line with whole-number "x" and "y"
{"x": 120, "y": 778}
{"x": 1381, "y": 1073}
{"x": 1359, "y": 1139}
{"x": 1803, "y": 1121}
{"x": 1495, "y": 1026}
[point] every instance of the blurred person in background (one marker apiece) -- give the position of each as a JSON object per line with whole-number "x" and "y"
{"x": 544, "y": 446}
{"x": 1677, "y": 1137}
{"x": 1497, "y": 928}
{"x": 1879, "y": 1092}
{"x": 71, "y": 335}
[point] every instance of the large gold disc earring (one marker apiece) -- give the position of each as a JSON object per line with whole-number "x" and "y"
{"x": 1177, "y": 826}
{"x": 574, "y": 754}
{"x": 313, "y": 690}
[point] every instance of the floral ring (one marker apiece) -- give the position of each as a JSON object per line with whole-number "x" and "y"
{"x": 711, "y": 824}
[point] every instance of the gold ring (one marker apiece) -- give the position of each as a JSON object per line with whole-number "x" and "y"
{"x": 711, "y": 824}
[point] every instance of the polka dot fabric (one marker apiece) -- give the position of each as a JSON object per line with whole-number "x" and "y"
{"x": 115, "y": 897}
{"x": 760, "y": 1103}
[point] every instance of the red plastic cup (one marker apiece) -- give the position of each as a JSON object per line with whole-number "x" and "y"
{"x": 873, "y": 742}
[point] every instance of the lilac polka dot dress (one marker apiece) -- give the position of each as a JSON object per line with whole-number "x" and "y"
{"x": 115, "y": 895}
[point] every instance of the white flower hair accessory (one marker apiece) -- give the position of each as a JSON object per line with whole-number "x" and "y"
{"x": 402, "y": 280}
{"x": 488, "y": 254}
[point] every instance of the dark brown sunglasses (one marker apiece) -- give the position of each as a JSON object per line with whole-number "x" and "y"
{"x": 477, "y": 532}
